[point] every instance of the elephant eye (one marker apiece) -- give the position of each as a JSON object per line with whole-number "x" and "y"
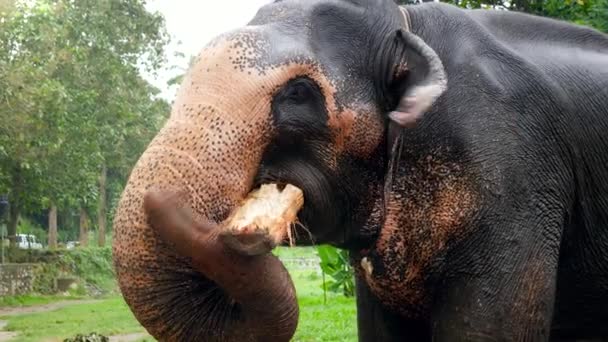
{"x": 299, "y": 109}
{"x": 299, "y": 91}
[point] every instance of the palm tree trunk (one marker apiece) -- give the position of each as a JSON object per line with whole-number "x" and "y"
{"x": 14, "y": 210}
{"x": 101, "y": 209}
{"x": 53, "y": 226}
{"x": 84, "y": 227}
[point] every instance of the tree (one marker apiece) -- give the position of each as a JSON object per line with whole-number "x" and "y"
{"x": 6, "y": 6}
{"x": 72, "y": 100}
{"x": 52, "y": 237}
{"x": 102, "y": 206}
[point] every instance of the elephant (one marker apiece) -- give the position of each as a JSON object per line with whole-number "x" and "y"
{"x": 459, "y": 155}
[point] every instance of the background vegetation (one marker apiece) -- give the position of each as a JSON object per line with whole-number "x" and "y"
{"x": 75, "y": 113}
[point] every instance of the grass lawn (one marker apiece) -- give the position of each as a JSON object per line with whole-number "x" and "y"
{"x": 294, "y": 252}
{"x": 109, "y": 317}
{"x": 333, "y": 321}
{"x": 32, "y": 300}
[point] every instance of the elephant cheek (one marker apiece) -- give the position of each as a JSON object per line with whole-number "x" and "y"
{"x": 365, "y": 131}
{"x": 429, "y": 209}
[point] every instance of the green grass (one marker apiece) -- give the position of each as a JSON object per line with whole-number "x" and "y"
{"x": 319, "y": 321}
{"x": 294, "y": 252}
{"x": 32, "y": 300}
{"x": 108, "y": 317}
{"x": 332, "y": 321}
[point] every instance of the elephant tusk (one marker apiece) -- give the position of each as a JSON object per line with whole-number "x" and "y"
{"x": 367, "y": 266}
{"x": 263, "y": 220}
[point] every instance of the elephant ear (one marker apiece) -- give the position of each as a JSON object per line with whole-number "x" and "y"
{"x": 418, "y": 78}
{"x": 415, "y": 78}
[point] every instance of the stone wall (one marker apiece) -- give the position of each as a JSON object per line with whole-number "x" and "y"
{"x": 16, "y": 279}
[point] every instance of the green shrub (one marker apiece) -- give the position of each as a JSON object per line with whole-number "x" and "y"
{"x": 335, "y": 263}
{"x": 92, "y": 265}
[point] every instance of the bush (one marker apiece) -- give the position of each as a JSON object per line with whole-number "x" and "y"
{"x": 335, "y": 263}
{"x": 92, "y": 265}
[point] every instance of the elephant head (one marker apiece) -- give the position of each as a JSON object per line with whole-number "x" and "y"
{"x": 303, "y": 95}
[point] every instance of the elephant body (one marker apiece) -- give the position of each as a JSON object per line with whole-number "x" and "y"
{"x": 499, "y": 229}
{"x": 461, "y": 156}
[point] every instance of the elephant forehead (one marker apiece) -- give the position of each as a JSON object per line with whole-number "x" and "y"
{"x": 221, "y": 120}
{"x": 230, "y": 87}
{"x": 224, "y": 103}
{"x": 241, "y": 72}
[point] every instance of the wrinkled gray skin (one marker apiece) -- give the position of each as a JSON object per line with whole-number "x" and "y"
{"x": 459, "y": 155}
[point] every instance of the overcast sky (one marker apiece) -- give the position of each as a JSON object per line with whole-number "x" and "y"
{"x": 194, "y": 23}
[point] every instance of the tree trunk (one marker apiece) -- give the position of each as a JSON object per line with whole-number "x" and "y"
{"x": 101, "y": 210}
{"x": 13, "y": 220}
{"x": 84, "y": 227}
{"x": 53, "y": 226}
{"x": 14, "y": 209}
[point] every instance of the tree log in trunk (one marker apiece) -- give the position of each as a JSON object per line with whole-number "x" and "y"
{"x": 53, "y": 226}
{"x": 101, "y": 209}
{"x": 84, "y": 227}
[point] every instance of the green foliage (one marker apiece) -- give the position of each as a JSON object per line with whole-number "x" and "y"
{"x": 93, "y": 265}
{"x": 72, "y": 98}
{"x": 44, "y": 283}
{"x": 335, "y": 263}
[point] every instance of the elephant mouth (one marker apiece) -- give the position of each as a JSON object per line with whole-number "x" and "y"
{"x": 298, "y": 232}
{"x": 264, "y": 219}
{"x": 321, "y": 218}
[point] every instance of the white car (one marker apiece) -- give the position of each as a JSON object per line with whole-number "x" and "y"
{"x": 27, "y": 241}
{"x": 72, "y": 244}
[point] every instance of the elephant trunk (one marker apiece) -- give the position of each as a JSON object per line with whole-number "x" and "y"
{"x": 181, "y": 282}
{"x": 264, "y": 304}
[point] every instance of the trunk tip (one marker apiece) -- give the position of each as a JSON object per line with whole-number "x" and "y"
{"x": 251, "y": 244}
